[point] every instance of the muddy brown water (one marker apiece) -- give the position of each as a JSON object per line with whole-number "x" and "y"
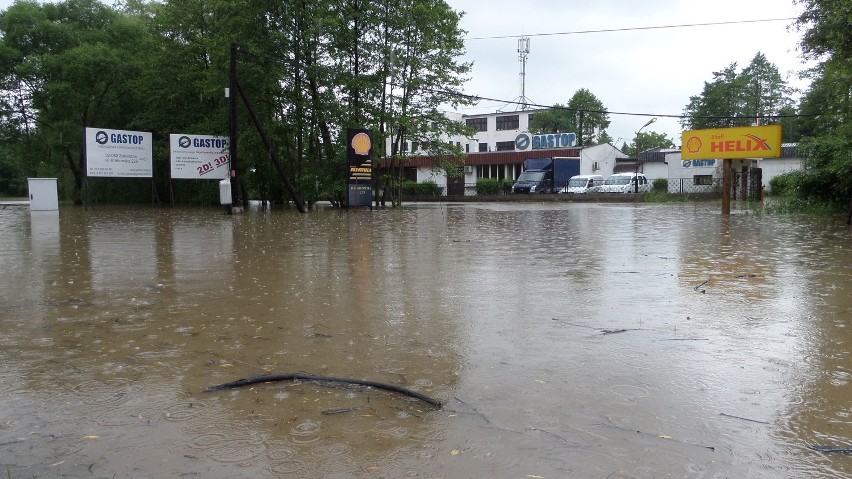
{"x": 565, "y": 340}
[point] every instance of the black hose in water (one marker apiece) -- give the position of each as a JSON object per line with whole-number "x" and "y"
{"x": 268, "y": 378}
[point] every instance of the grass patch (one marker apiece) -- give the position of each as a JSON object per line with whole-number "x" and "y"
{"x": 663, "y": 197}
{"x": 787, "y": 205}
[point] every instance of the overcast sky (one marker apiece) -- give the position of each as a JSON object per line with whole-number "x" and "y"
{"x": 641, "y": 71}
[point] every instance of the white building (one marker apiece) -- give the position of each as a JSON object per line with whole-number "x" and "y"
{"x": 499, "y": 144}
{"x": 703, "y": 176}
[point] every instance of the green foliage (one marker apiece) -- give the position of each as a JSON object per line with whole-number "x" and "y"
{"x": 660, "y": 185}
{"x": 583, "y": 111}
{"x": 826, "y": 25}
{"x": 784, "y": 184}
{"x": 828, "y": 168}
{"x": 309, "y": 69}
{"x": 426, "y": 188}
{"x": 826, "y": 124}
{"x": 647, "y": 140}
{"x": 757, "y": 92}
{"x": 663, "y": 197}
{"x": 794, "y": 204}
{"x": 489, "y": 186}
{"x": 12, "y": 181}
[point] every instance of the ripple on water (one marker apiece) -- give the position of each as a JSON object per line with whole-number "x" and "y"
{"x": 108, "y": 394}
{"x": 390, "y": 430}
{"x": 334, "y": 459}
{"x": 284, "y": 460}
{"x": 630, "y": 392}
{"x": 231, "y": 446}
{"x": 306, "y": 432}
{"x": 185, "y": 410}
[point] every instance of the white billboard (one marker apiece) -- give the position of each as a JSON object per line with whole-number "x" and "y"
{"x": 119, "y": 153}
{"x": 199, "y": 156}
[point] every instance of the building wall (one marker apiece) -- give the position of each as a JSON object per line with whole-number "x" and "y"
{"x": 655, "y": 170}
{"x": 492, "y": 136}
{"x": 682, "y": 172}
{"x": 439, "y": 177}
{"x": 599, "y": 159}
{"x": 773, "y": 167}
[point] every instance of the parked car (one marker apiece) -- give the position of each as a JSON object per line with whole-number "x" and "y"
{"x": 625, "y": 183}
{"x": 582, "y": 184}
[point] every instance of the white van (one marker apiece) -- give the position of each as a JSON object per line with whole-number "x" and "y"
{"x": 625, "y": 183}
{"x": 582, "y": 184}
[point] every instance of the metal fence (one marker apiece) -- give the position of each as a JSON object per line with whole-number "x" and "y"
{"x": 743, "y": 186}
{"x": 694, "y": 186}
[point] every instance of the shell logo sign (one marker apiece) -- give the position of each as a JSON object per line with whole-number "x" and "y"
{"x": 361, "y": 143}
{"x": 732, "y": 143}
{"x": 360, "y": 148}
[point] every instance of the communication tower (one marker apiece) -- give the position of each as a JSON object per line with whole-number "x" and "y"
{"x": 523, "y": 53}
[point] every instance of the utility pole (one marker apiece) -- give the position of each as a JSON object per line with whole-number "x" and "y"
{"x": 636, "y": 144}
{"x": 232, "y": 147}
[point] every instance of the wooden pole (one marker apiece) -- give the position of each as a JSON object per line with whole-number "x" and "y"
{"x": 726, "y": 186}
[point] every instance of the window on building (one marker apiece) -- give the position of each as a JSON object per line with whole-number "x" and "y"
{"x": 409, "y": 174}
{"x": 702, "y": 180}
{"x": 529, "y": 119}
{"x": 414, "y": 147}
{"x": 508, "y": 122}
{"x": 478, "y": 124}
{"x": 505, "y": 146}
{"x": 483, "y": 147}
{"x": 404, "y": 146}
{"x": 467, "y": 148}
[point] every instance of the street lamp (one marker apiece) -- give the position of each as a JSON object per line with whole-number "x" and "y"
{"x": 636, "y": 144}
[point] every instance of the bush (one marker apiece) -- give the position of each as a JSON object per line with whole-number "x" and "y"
{"x": 660, "y": 185}
{"x": 489, "y": 186}
{"x": 783, "y": 184}
{"x": 427, "y": 188}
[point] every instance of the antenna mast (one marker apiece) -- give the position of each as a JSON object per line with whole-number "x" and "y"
{"x": 523, "y": 52}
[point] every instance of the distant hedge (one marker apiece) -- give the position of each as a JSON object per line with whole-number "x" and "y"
{"x": 493, "y": 186}
{"x": 427, "y": 188}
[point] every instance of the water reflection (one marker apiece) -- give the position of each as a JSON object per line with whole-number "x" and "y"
{"x": 565, "y": 340}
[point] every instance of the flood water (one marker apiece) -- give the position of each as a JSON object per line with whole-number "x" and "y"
{"x": 564, "y": 340}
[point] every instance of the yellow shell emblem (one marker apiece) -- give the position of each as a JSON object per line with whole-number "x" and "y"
{"x": 361, "y": 143}
{"x": 693, "y": 144}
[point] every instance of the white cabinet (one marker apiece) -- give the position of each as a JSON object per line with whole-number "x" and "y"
{"x": 44, "y": 195}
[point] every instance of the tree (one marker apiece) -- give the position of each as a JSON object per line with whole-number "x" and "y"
{"x": 584, "y": 115}
{"x": 310, "y": 69}
{"x": 67, "y": 66}
{"x": 557, "y": 119}
{"x": 825, "y": 123}
{"x": 647, "y": 140}
{"x": 592, "y": 116}
{"x": 756, "y": 94}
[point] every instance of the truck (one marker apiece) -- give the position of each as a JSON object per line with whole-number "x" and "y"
{"x": 546, "y": 175}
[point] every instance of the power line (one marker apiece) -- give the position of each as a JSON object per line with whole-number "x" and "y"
{"x": 630, "y": 29}
{"x": 607, "y": 112}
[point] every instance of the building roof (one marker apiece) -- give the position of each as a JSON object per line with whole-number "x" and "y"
{"x": 658, "y": 155}
{"x": 501, "y": 157}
